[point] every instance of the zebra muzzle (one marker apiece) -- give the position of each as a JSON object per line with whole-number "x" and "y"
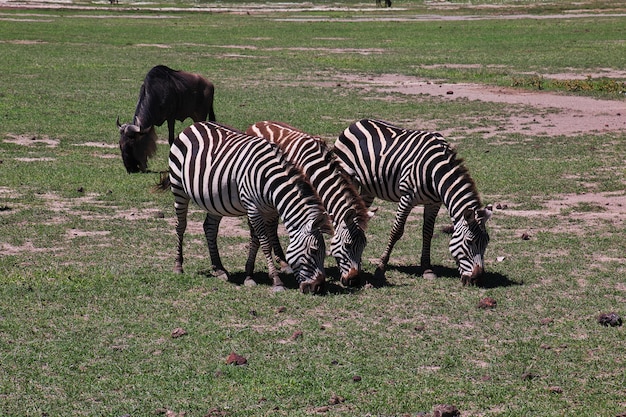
{"x": 314, "y": 286}
{"x": 473, "y": 278}
{"x": 351, "y": 279}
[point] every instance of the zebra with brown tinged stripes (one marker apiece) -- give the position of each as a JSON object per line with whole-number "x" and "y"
{"x": 340, "y": 198}
{"x": 228, "y": 173}
{"x": 416, "y": 167}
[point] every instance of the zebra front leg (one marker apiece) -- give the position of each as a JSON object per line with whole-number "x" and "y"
{"x": 402, "y": 213}
{"x": 252, "y": 252}
{"x": 279, "y": 254}
{"x": 258, "y": 228}
{"x": 181, "y": 205}
{"x": 430, "y": 215}
{"x": 211, "y": 226}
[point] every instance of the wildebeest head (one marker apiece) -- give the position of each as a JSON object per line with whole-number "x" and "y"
{"x": 137, "y": 145}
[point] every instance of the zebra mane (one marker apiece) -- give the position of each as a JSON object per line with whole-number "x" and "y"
{"x": 458, "y": 165}
{"x": 354, "y": 199}
{"x": 301, "y": 181}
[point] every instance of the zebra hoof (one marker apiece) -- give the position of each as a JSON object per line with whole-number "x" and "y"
{"x": 249, "y": 282}
{"x": 379, "y": 274}
{"x": 278, "y": 288}
{"x": 221, "y": 274}
{"x": 429, "y": 274}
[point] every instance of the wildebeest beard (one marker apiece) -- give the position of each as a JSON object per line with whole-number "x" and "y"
{"x": 137, "y": 146}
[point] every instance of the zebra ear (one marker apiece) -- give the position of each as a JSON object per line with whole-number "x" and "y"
{"x": 349, "y": 217}
{"x": 484, "y": 215}
{"x": 469, "y": 215}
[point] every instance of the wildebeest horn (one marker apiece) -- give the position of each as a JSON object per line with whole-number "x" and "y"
{"x": 118, "y": 122}
{"x": 132, "y": 129}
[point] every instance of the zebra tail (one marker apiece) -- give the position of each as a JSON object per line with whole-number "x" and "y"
{"x": 164, "y": 183}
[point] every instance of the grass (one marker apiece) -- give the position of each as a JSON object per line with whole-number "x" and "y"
{"x": 88, "y": 301}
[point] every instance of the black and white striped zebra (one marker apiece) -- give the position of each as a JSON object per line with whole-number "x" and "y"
{"x": 341, "y": 200}
{"x": 228, "y": 173}
{"x": 416, "y": 167}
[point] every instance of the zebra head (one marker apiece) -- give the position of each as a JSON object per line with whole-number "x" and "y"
{"x": 346, "y": 246}
{"x": 468, "y": 243}
{"x": 305, "y": 254}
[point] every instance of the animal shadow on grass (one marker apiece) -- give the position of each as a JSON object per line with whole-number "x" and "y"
{"x": 289, "y": 280}
{"x": 487, "y": 280}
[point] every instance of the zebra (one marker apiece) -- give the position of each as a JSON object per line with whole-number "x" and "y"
{"x": 228, "y": 173}
{"x": 414, "y": 167}
{"x": 341, "y": 200}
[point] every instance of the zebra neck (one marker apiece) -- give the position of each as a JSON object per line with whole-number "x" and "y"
{"x": 458, "y": 193}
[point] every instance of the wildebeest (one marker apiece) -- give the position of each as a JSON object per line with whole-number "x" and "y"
{"x": 165, "y": 95}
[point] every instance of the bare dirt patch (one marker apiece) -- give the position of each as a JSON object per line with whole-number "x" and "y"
{"x": 548, "y": 114}
{"x": 27, "y": 140}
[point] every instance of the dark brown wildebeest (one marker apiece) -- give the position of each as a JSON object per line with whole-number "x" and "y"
{"x": 165, "y": 95}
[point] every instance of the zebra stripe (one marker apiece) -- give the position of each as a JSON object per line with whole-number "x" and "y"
{"x": 340, "y": 198}
{"x": 228, "y": 173}
{"x": 417, "y": 167}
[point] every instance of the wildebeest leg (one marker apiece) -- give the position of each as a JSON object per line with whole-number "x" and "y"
{"x": 257, "y": 224}
{"x": 211, "y": 114}
{"x": 402, "y": 213}
{"x": 181, "y": 205}
{"x": 211, "y": 226}
{"x": 170, "y": 130}
{"x": 430, "y": 215}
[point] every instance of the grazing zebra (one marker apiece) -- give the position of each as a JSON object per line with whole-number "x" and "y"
{"x": 411, "y": 168}
{"x": 228, "y": 173}
{"x": 340, "y": 198}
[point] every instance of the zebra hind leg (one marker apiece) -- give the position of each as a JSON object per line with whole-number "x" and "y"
{"x": 181, "y": 205}
{"x": 211, "y": 225}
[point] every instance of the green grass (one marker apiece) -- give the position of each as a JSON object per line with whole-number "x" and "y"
{"x": 88, "y": 301}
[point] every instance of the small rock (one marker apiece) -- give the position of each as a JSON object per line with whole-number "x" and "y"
{"x": 159, "y": 215}
{"x": 610, "y": 319}
{"x": 547, "y": 321}
{"x": 296, "y": 335}
{"x": 445, "y": 410}
{"x": 555, "y": 389}
{"x": 253, "y": 313}
{"x": 525, "y": 236}
{"x": 282, "y": 309}
{"x": 487, "y": 302}
{"x": 178, "y": 332}
{"x": 80, "y": 189}
{"x": 449, "y": 92}
{"x": 323, "y": 409}
{"x": 235, "y": 359}
{"x": 356, "y": 378}
{"x": 336, "y": 399}
{"x": 528, "y": 376}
